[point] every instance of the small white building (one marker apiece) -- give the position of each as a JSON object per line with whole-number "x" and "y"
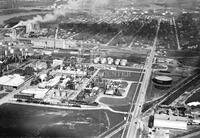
{"x": 57, "y": 62}
{"x": 109, "y": 92}
{"x": 50, "y": 83}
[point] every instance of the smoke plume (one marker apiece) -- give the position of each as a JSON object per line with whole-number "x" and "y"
{"x": 72, "y": 5}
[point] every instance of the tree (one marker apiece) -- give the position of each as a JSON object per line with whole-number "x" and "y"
{"x": 29, "y": 71}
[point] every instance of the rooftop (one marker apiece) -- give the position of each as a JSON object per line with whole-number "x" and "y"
{"x": 12, "y": 80}
{"x": 38, "y": 93}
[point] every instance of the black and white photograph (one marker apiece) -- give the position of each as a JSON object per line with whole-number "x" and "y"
{"x": 99, "y": 68}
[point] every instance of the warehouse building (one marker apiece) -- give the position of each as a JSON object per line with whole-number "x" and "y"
{"x": 12, "y": 81}
{"x": 170, "y": 122}
{"x": 32, "y": 93}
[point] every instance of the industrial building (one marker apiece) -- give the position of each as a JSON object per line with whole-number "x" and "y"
{"x": 12, "y": 81}
{"x": 57, "y": 62}
{"x": 32, "y": 27}
{"x": 51, "y": 83}
{"x": 32, "y": 93}
{"x": 170, "y": 122}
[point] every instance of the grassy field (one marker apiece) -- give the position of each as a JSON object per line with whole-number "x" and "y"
{"x": 194, "y": 98}
{"x": 114, "y": 74}
{"x": 129, "y": 69}
{"x": 30, "y": 121}
{"x": 154, "y": 93}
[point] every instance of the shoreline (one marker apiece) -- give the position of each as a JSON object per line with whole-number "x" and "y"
{"x": 85, "y": 108}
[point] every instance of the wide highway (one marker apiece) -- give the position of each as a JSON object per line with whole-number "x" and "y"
{"x": 135, "y": 124}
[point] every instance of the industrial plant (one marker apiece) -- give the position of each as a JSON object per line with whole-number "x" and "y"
{"x": 110, "y": 68}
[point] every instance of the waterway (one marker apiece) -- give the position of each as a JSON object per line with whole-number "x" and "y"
{"x": 9, "y": 16}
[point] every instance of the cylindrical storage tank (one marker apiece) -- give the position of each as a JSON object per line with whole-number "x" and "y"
{"x": 12, "y": 51}
{"x": 162, "y": 80}
{"x": 117, "y": 61}
{"x": 123, "y": 62}
{"x": 110, "y": 61}
{"x": 43, "y": 77}
{"x": 6, "y": 53}
{"x": 103, "y": 60}
{"x": 96, "y": 60}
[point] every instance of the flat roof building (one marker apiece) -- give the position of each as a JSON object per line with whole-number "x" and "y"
{"x": 12, "y": 81}
{"x": 38, "y": 93}
{"x": 170, "y": 122}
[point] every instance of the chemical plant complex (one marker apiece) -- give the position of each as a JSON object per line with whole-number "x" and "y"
{"x": 138, "y": 68}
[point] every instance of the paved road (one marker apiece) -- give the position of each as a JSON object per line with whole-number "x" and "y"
{"x": 176, "y": 33}
{"x": 109, "y": 42}
{"x": 135, "y": 35}
{"x": 135, "y": 125}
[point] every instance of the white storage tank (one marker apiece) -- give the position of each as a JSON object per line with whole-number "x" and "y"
{"x": 6, "y": 53}
{"x": 96, "y": 60}
{"x": 12, "y": 51}
{"x": 103, "y": 60}
{"x": 117, "y": 61}
{"x": 123, "y": 62}
{"x": 43, "y": 77}
{"x": 110, "y": 60}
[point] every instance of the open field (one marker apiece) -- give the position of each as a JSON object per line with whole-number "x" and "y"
{"x": 28, "y": 121}
{"x": 194, "y": 98}
{"x": 128, "y": 76}
{"x": 154, "y": 92}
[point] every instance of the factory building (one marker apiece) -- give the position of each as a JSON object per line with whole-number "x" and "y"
{"x": 32, "y": 27}
{"x": 68, "y": 71}
{"x": 57, "y": 62}
{"x": 32, "y": 93}
{"x": 51, "y": 83}
{"x": 170, "y": 122}
{"x": 12, "y": 81}
{"x": 52, "y": 43}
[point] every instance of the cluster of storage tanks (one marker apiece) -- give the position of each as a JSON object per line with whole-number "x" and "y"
{"x": 110, "y": 61}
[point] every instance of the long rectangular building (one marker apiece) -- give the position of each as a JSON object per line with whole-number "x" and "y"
{"x": 170, "y": 122}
